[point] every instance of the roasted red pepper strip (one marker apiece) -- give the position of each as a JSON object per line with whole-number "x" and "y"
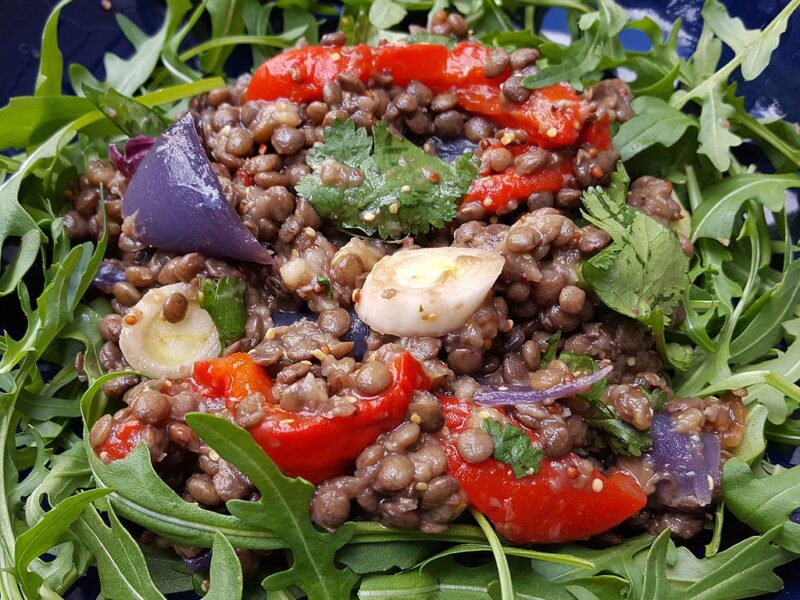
{"x": 120, "y": 440}
{"x": 312, "y": 446}
{"x": 300, "y": 73}
{"x": 547, "y": 507}
{"x": 496, "y": 192}
{"x": 597, "y": 133}
{"x": 552, "y": 116}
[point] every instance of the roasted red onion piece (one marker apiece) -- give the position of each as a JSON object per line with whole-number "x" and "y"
{"x": 136, "y": 149}
{"x": 108, "y": 273}
{"x": 519, "y": 394}
{"x": 687, "y": 467}
{"x": 178, "y": 205}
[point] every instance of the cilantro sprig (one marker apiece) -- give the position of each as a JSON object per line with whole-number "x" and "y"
{"x": 400, "y": 188}
{"x": 513, "y": 447}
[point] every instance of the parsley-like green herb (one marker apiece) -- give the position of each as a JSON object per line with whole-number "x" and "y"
{"x": 645, "y": 268}
{"x": 224, "y": 301}
{"x": 620, "y": 436}
{"x": 513, "y": 447}
{"x": 400, "y": 189}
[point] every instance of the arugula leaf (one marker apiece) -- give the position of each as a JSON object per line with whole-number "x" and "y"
{"x": 645, "y": 269}
{"x": 383, "y": 556}
{"x": 384, "y": 14}
{"x": 51, "y": 62}
{"x": 224, "y": 301}
{"x": 570, "y": 64}
{"x": 120, "y": 563}
{"x": 126, "y": 113}
{"x": 656, "y": 122}
{"x": 743, "y": 570}
{"x": 753, "y": 444}
{"x": 168, "y": 572}
{"x": 764, "y": 503}
{"x": 754, "y": 46}
{"x": 226, "y": 571}
{"x": 225, "y": 20}
{"x": 282, "y": 509}
{"x": 765, "y": 329}
{"x": 716, "y": 216}
{"x": 47, "y": 533}
{"x": 422, "y": 37}
{"x": 715, "y": 136}
{"x": 513, "y": 447}
{"x": 402, "y": 189}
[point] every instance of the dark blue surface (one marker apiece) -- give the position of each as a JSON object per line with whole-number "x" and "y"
{"x": 87, "y": 31}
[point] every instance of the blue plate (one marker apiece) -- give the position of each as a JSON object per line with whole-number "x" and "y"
{"x": 88, "y": 30}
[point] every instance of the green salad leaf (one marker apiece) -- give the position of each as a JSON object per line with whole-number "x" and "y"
{"x": 513, "y": 447}
{"x": 224, "y": 301}
{"x": 283, "y": 510}
{"x": 120, "y": 563}
{"x": 395, "y": 188}
{"x": 764, "y": 503}
{"x": 644, "y": 270}
{"x": 226, "y": 571}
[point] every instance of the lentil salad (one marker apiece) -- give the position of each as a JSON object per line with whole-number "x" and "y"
{"x": 410, "y": 273}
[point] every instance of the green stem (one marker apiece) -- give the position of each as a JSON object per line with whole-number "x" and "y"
{"x": 722, "y": 74}
{"x": 506, "y": 585}
{"x": 8, "y": 584}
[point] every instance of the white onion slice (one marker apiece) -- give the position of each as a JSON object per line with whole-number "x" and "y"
{"x": 159, "y": 348}
{"x": 427, "y": 291}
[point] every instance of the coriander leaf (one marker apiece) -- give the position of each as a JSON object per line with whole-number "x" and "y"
{"x": 644, "y": 269}
{"x": 283, "y": 510}
{"x": 48, "y": 532}
{"x": 656, "y": 122}
{"x": 513, "y": 447}
{"x": 384, "y": 14}
{"x": 226, "y": 571}
{"x": 226, "y": 20}
{"x": 715, "y": 136}
{"x": 224, "y": 301}
{"x": 622, "y": 438}
{"x": 764, "y": 503}
{"x": 126, "y": 113}
{"x": 722, "y": 201}
{"x": 399, "y": 189}
{"x": 120, "y": 563}
{"x": 552, "y": 348}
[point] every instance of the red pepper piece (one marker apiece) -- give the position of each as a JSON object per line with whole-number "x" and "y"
{"x": 122, "y": 438}
{"x": 547, "y": 507}
{"x": 306, "y": 445}
{"x": 299, "y": 74}
{"x": 496, "y": 192}
{"x": 597, "y": 133}
{"x": 552, "y": 116}
{"x": 465, "y": 66}
{"x": 408, "y": 62}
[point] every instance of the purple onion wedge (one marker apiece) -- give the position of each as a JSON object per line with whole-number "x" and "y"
{"x": 135, "y": 150}
{"x": 505, "y": 395}
{"x": 178, "y": 205}
{"x": 200, "y": 563}
{"x": 687, "y": 467}
{"x": 108, "y": 273}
